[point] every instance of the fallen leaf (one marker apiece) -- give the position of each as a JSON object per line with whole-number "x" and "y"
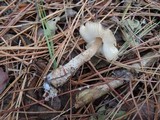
{"x": 3, "y": 80}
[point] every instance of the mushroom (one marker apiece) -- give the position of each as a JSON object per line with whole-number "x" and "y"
{"x": 86, "y": 96}
{"x": 147, "y": 60}
{"x": 98, "y": 39}
{"x": 50, "y": 27}
{"x": 94, "y": 29}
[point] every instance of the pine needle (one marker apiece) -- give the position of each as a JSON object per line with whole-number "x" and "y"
{"x": 47, "y": 32}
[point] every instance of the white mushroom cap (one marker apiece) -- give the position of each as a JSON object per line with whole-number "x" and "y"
{"x": 91, "y": 30}
{"x": 52, "y": 23}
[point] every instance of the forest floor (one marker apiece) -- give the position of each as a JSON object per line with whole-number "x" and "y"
{"x": 37, "y": 37}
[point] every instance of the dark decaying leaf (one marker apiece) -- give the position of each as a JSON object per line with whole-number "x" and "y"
{"x": 3, "y": 80}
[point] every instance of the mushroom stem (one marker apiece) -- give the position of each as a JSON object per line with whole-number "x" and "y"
{"x": 91, "y": 94}
{"x": 61, "y": 75}
{"x": 86, "y": 96}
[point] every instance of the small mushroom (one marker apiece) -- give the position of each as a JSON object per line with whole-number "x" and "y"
{"x": 147, "y": 60}
{"x": 98, "y": 39}
{"x": 91, "y": 94}
{"x": 94, "y": 29}
{"x": 50, "y": 27}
